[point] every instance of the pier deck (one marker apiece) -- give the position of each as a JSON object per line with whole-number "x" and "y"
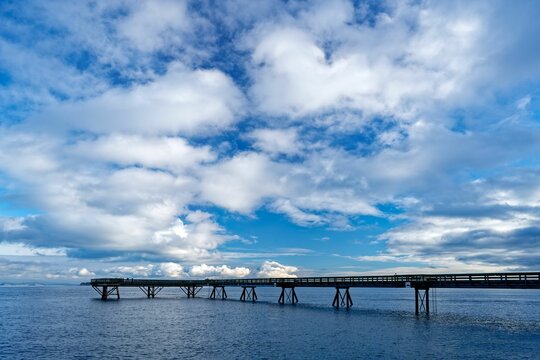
{"x": 108, "y": 287}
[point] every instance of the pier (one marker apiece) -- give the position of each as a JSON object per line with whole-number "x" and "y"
{"x": 110, "y": 287}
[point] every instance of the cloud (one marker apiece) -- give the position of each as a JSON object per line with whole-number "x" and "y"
{"x": 139, "y": 270}
{"x": 150, "y": 25}
{"x": 400, "y": 75}
{"x": 133, "y": 184}
{"x": 180, "y": 101}
{"x": 242, "y": 182}
{"x": 81, "y": 272}
{"x": 73, "y": 50}
{"x": 523, "y": 103}
{"x": 175, "y": 270}
{"x": 9, "y": 224}
{"x": 204, "y": 270}
{"x": 295, "y": 214}
{"x": 22, "y": 249}
{"x": 492, "y": 225}
{"x": 122, "y": 235}
{"x": 249, "y": 180}
{"x": 398, "y": 60}
{"x": 170, "y": 269}
{"x": 138, "y": 130}
{"x": 132, "y": 198}
{"x": 169, "y": 153}
{"x": 166, "y": 269}
{"x": 276, "y": 141}
{"x": 36, "y": 80}
{"x": 273, "y": 269}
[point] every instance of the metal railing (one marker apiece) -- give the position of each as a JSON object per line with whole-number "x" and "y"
{"x": 434, "y": 280}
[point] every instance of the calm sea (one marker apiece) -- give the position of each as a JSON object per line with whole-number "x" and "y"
{"x": 69, "y": 322}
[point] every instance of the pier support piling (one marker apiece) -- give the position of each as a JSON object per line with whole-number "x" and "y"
{"x": 218, "y": 292}
{"x": 248, "y": 294}
{"x": 191, "y": 291}
{"x": 342, "y": 298}
{"x": 151, "y": 291}
{"x": 107, "y": 291}
{"x": 421, "y": 300}
{"x": 288, "y": 294}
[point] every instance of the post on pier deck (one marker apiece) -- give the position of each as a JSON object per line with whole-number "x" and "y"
{"x": 248, "y": 293}
{"x": 342, "y": 299}
{"x": 218, "y": 292}
{"x": 421, "y": 300}
{"x": 288, "y": 294}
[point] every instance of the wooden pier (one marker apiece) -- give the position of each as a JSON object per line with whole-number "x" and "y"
{"x": 110, "y": 287}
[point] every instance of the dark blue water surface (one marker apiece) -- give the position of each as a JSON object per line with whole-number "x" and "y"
{"x": 70, "y": 322}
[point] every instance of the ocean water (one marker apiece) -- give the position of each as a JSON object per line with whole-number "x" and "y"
{"x": 70, "y": 322}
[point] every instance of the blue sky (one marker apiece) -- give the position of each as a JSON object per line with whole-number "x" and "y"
{"x": 191, "y": 139}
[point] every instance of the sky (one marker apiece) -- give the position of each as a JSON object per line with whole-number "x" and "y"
{"x": 194, "y": 139}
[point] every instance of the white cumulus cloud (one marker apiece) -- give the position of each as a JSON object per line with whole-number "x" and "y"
{"x": 204, "y": 270}
{"x": 180, "y": 101}
{"x": 273, "y": 269}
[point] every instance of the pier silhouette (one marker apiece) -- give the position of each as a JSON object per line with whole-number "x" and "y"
{"x": 110, "y": 287}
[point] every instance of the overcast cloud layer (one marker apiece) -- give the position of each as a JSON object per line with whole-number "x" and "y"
{"x": 164, "y": 138}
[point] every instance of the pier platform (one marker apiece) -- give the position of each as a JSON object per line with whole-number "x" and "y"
{"x": 110, "y": 287}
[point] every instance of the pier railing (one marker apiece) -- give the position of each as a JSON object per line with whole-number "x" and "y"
{"x": 526, "y": 279}
{"x": 523, "y": 279}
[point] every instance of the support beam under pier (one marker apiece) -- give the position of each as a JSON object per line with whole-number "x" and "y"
{"x": 191, "y": 291}
{"x": 218, "y": 292}
{"x": 342, "y": 298}
{"x": 288, "y": 295}
{"x": 248, "y": 293}
{"x": 105, "y": 292}
{"x": 421, "y": 300}
{"x": 151, "y": 291}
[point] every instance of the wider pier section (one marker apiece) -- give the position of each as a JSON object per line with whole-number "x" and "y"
{"x": 110, "y": 287}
